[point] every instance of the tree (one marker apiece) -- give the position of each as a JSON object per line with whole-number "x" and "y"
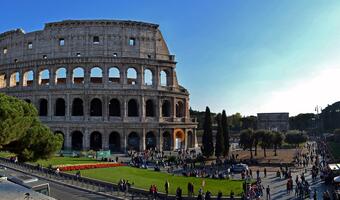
{"x": 295, "y": 137}
{"x": 22, "y": 133}
{"x": 277, "y": 139}
{"x": 266, "y": 141}
{"x": 225, "y": 129}
{"x": 219, "y": 145}
{"x": 247, "y": 140}
{"x": 234, "y": 121}
{"x": 257, "y": 139}
{"x": 207, "y": 138}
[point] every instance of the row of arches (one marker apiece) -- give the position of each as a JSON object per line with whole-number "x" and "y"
{"x": 114, "y": 108}
{"x": 133, "y": 141}
{"x": 78, "y": 77}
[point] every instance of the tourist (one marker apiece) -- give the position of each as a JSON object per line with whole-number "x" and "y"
{"x": 207, "y": 195}
{"x": 166, "y": 186}
{"x": 268, "y": 193}
{"x": 179, "y": 194}
{"x": 265, "y": 172}
{"x": 219, "y": 195}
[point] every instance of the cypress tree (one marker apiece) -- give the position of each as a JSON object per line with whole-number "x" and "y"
{"x": 219, "y": 146}
{"x": 207, "y": 138}
{"x": 225, "y": 130}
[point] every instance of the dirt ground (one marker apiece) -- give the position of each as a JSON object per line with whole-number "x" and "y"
{"x": 283, "y": 155}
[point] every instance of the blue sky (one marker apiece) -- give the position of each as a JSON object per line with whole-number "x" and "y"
{"x": 243, "y": 56}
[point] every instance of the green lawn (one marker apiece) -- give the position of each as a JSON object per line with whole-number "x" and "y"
{"x": 143, "y": 178}
{"x": 65, "y": 160}
{"x": 334, "y": 147}
{"x": 4, "y": 154}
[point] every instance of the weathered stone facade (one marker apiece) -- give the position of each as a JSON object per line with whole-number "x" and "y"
{"x": 103, "y": 84}
{"x": 273, "y": 121}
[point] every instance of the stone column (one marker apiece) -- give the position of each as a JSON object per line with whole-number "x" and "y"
{"x": 87, "y": 74}
{"x": 68, "y": 140}
{"x": 155, "y": 78}
{"x": 52, "y": 76}
{"x": 50, "y": 110}
{"x": 185, "y": 139}
{"x": 160, "y": 140}
{"x": 105, "y": 78}
{"x": 69, "y": 73}
{"x": 173, "y": 113}
{"x": 124, "y": 108}
{"x": 142, "y": 142}
{"x": 86, "y": 140}
{"x": 21, "y": 78}
{"x": 105, "y": 108}
{"x": 68, "y": 107}
{"x": 123, "y": 79}
{"x": 142, "y": 109}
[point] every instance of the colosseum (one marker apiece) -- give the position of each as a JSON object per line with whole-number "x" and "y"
{"x": 102, "y": 84}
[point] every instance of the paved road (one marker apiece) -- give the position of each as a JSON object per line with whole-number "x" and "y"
{"x": 59, "y": 191}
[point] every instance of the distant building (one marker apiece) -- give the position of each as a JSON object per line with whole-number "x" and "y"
{"x": 273, "y": 121}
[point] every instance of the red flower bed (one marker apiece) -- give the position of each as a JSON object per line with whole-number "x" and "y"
{"x": 89, "y": 166}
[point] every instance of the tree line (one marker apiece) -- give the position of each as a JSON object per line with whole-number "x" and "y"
{"x": 22, "y": 133}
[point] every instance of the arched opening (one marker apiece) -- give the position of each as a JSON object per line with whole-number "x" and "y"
{"x": 3, "y": 80}
{"x": 180, "y": 109}
{"x": 14, "y": 79}
{"x": 114, "y": 75}
{"x": 59, "y": 107}
{"x": 78, "y": 76}
{"x": 59, "y": 132}
{"x": 131, "y": 76}
{"x": 149, "y": 108}
{"x": 44, "y": 77}
{"x": 77, "y": 107}
{"x": 114, "y": 142}
{"x": 190, "y": 142}
{"x": 96, "y": 141}
{"x": 96, "y": 75}
{"x": 43, "y": 107}
{"x": 148, "y": 77}
{"x": 166, "y": 141}
{"x": 28, "y": 78}
{"x": 114, "y": 108}
{"x": 60, "y": 76}
{"x": 164, "y": 78}
{"x": 166, "y": 108}
{"x": 132, "y": 108}
{"x": 150, "y": 140}
{"x": 96, "y": 107}
{"x": 77, "y": 140}
{"x": 179, "y": 139}
{"x": 133, "y": 141}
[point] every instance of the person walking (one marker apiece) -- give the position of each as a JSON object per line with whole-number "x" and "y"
{"x": 265, "y": 172}
{"x": 166, "y": 187}
{"x": 268, "y": 193}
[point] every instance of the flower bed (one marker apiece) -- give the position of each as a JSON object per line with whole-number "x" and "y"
{"x": 89, "y": 166}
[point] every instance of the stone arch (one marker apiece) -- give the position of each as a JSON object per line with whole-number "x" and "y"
{"x": 114, "y": 108}
{"x": 166, "y": 108}
{"x": 163, "y": 77}
{"x": 96, "y": 141}
{"x": 114, "y": 75}
{"x": 180, "y": 109}
{"x": 131, "y": 76}
{"x": 149, "y": 108}
{"x": 167, "y": 143}
{"x": 78, "y": 75}
{"x": 28, "y": 78}
{"x": 133, "y": 141}
{"x": 77, "y": 140}
{"x": 96, "y": 75}
{"x": 133, "y": 108}
{"x": 61, "y": 76}
{"x": 96, "y": 107}
{"x": 150, "y": 140}
{"x": 148, "y": 77}
{"x": 60, "y": 132}
{"x": 3, "y": 80}
{"x": 179, "y": 138}
{"x": 77, "y": 107}
{"x": 14, "y": 79}
{"x": 114, "y": 142}
{"x": 44, "y": 77}
{"x": 43, "y": 107}
{"x": 60, "y": 107}
{"x": 190, "y": 140}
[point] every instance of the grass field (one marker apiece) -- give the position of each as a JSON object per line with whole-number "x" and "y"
{"x": 334, "y": 148}
{"x": 4, "y": 154}
{"x": 143, "y": 178}
{"x": 65, "y": 160}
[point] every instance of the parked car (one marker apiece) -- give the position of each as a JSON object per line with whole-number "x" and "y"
{"x": 239, "y": 167}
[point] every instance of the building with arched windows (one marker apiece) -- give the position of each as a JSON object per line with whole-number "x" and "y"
{"x": 102, "y": 84}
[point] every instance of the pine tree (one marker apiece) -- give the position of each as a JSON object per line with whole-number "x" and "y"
{"x": 225, "y": 130}
{"x": 207, "y": 138}
{"x": 219, "y": 146}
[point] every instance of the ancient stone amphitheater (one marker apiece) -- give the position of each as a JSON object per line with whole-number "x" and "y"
{"x": 103, "y": 84}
